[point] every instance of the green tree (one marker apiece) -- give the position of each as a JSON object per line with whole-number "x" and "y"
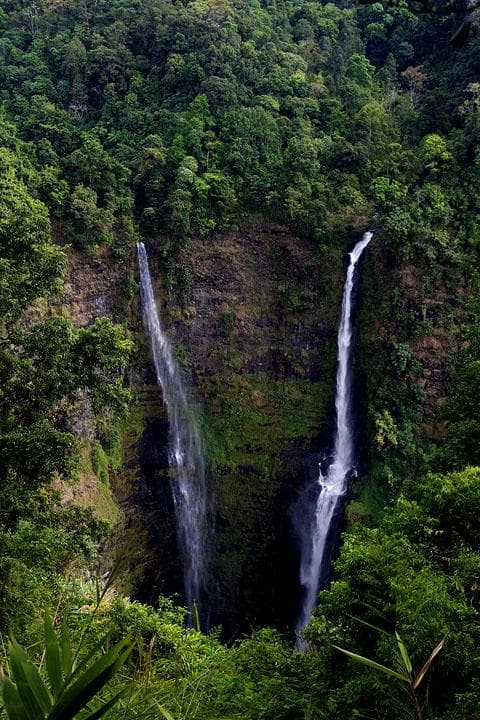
{"x": 30, "y": 264}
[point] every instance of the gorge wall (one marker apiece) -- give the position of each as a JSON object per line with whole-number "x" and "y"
{"x": 257, "y": 340}
{"x": 256, "y": 337}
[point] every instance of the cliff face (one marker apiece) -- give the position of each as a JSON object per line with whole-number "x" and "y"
{"x": 257, "y": 341}
{"x": 438, "y": 308}
{"x": 411, "y": 314}
{"x": 95, "y": 286}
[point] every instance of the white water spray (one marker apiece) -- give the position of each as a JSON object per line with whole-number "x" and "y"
{"x": 185, "y": 451}
{"x": 332, "y": 486}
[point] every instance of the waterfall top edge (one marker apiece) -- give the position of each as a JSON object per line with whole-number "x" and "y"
{"x": 360, "y": 246}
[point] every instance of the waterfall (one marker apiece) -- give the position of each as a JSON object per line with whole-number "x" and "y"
{"x": 331, "y": 485}
{"x": 185, "y": 450}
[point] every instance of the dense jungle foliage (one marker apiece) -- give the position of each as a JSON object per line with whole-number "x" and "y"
{"x": 170, "y": 120}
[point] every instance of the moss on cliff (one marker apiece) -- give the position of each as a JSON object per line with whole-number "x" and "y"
{"x": 251, "y": 418}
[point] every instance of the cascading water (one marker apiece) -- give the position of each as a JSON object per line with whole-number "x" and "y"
{"x": 185, "y": 451}
{"x": 332, "y": 485}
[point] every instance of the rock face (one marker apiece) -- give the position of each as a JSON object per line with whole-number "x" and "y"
{"x": 258, "y": 306}
{"x": 93, "y": 286}
{"x": 258, "y": 343}
{"x": 411, "y": 314}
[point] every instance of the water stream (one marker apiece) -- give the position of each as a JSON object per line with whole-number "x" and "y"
{"x": 332, "y": 484}
{"x": 185, "y": 451}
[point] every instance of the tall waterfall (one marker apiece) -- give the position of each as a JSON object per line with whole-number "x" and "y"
{"x": 332, "y": 485}
{"x": 185, "y": 451}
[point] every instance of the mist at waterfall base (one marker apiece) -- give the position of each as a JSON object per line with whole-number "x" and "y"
{"x": 320, "y": 508}
{"x": 185, "y": 452}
